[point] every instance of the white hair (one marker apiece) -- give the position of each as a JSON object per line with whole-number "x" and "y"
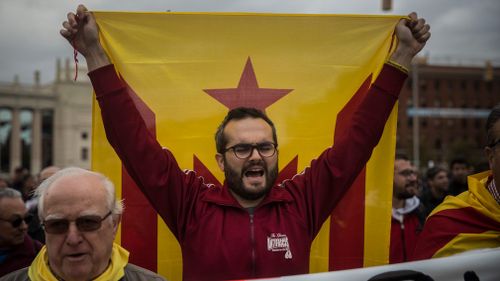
{"x": 8, "y": 192}
{"x": 116, "y": 206}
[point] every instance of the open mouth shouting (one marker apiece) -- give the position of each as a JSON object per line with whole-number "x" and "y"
{"x": 254, "y": 175}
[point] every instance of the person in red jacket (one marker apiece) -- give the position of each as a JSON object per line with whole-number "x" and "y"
{"x": 252, "y": 226}
{"x": 407, "y": 212}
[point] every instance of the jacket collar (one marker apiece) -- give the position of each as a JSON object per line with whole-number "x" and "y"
{"x": 221, "y": 196}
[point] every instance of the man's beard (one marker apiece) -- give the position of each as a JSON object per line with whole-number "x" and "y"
{"x": 406, "y": 193}
{"x": 234, "y": 180}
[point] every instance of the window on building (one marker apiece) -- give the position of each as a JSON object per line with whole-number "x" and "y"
{"x": 463, "y": 85}
{"x": 423, "y": 86}
{"x": 436, "y": 85}
{"x": 26, "y": 134}
{"x": 5, "y": 133}
{"x": 450, "y": 86}
{"x": 84, "y": 135}
{"x": 84, "y": 154}
{"x": 47, "y": 137}
{"x": 438, "y": 143}
{"x": 464, "y": 123}
{"x": 424, "y": 123}
{"x": 489, "y": 87}
{"x": 478, "y": 124}
{"x": 476, "y": 86}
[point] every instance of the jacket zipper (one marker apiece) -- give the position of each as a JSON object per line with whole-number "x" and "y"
{"x": 252, "y": 240}
{"x": 403, "y": 239}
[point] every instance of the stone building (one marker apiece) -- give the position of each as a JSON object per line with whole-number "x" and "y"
{"x": 49, "y": 124}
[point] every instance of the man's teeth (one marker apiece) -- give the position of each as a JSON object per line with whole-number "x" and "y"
{"x": 254, "y": 173}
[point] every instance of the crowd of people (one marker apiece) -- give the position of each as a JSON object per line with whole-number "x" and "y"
{"x": 224, "y": 231}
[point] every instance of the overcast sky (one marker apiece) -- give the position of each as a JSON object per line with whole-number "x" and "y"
{"x": 463, "y": 31}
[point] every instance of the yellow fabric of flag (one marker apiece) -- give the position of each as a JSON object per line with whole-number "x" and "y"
{"x": 173, "y": 60}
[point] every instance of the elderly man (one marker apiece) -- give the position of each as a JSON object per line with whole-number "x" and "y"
{"x": 17, "y": 249}
{"x": 80, "y": 216}
{"x": 472, "y": 219}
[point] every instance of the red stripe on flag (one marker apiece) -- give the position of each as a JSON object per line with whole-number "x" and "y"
{"x": 348, "y": 218}
{"x": 445, "y": 225}
{"x": 139, "y": 225}
{"x": 347, "y": 228}
{"x": 139, "y": 221}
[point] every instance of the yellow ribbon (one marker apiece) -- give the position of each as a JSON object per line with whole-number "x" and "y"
{"x": 39, "y": 269}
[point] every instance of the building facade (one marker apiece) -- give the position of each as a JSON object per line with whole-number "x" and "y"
{"x": 443, "y": 111}
{"x": 42, "y": 125}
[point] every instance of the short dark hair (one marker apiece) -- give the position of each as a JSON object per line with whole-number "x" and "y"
{"x": 432, "y": 172}
{"x": 240, "y": 113}
{"x": 459, "y": 161}
{"x": 401, "y": 156}
{"x": 492, "y": 119}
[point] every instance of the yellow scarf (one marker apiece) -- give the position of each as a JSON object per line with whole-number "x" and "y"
{"x": 39, "y": 269}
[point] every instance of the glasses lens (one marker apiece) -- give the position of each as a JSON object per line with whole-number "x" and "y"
{"x": 17, "y": 222}
{"x": 266, "y": 149}
{"x": 242, "y": 150}
{"x": 56, "y": 226}
{"x": 88, "y": 223}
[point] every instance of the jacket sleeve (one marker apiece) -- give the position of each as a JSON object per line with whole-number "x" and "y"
{"x": 153, "y": 168}
{"x": 319, "y": 187}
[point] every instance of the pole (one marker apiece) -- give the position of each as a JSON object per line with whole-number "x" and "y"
{"x": 416, "y": 134}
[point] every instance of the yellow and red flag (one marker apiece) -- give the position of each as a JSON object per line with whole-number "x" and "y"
{"x": 466, "y": 222}
{"x": 308, "y": 72}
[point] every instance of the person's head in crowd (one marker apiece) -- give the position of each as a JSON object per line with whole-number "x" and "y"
{"x": 17, "y": 177}
{"x": 492, "y": 149}
{"x": 46, "y": 172}
{"x": 459, "y": 170}
{"x": 405, "y": 180}
{"x": 14, "y": 218}
{"x": 3, "y": 183}
{"x": 28, "y": 185}
{"x": 437, "y": 180}
{"x": 80, "y": 216}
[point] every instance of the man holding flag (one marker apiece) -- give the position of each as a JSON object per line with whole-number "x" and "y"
{"x": 253, "y": 226}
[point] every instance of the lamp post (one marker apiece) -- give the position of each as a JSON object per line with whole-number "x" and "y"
{"x": 416, "y": 134}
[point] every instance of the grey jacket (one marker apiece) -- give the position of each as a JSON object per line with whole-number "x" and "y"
{"x": 132, "y": 273}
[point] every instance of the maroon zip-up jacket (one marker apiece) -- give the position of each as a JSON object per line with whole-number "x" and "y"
{"x": 219, "y": 239}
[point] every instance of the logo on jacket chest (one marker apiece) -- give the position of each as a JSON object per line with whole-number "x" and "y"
{"x": 277, "y": 242}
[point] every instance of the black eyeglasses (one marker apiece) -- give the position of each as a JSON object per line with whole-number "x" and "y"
{"x": 19, "y": 220}
{"x": 407, "y": 173}
{"x": 244, "y": 150}
{"x": 493, "y": 144}
{"x": 83, "y": 224}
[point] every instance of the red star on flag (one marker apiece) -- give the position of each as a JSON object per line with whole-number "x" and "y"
{"x": 248, "y": 93}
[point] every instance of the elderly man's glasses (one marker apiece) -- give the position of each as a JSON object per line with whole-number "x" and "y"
{"x": 19, "y": 220}
{"x": 244, "y": 150}
{"x": 83, "y": 224}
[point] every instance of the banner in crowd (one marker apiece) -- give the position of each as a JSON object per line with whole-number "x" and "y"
{"x": 307, "y": 72}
